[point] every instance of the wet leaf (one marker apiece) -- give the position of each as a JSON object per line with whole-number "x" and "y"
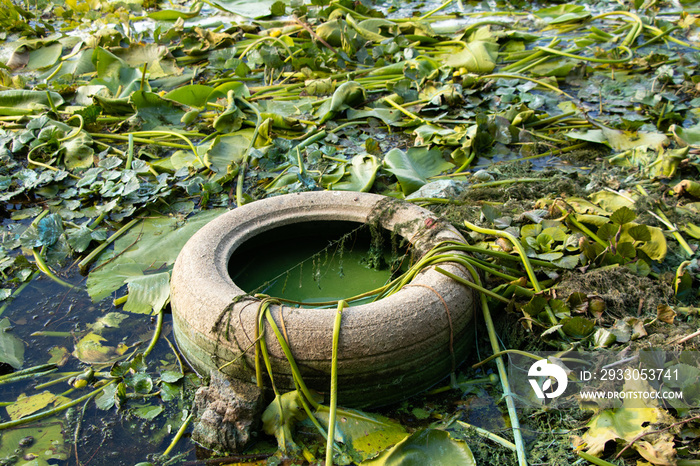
{"x": 255, "y": 10}
{"x": 148, "y": 412}
{"x": 26, "y": 405}
{"x": 367, "y": 434}
{"x": 414, "y": 167}
{"x": 479, "y": 55}
{"x": 280, "y": 418}
{"x": 430, "y": 446}
{"x": 59, "y": 355}
{"x": 48, "y": 443}
{"x": 578, "y": 327}
{"x": 11, "y": 347}
{"x": 106, "y": 400}
{"x": 148, "y": 293}
{"x": 90, "y": 349}
{"x": 172, "y": 15}
{"x": 23, "y": 102}
{"x": 346, "y": 95}
{"x": 154, "y": 111}
{"x": 147, "y": 247}
{"x": 360, "y": 174}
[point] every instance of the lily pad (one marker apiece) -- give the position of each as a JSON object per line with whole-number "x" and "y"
{"x": 414, "y": 167}
{"x": 148, "y": 293}
{"x": 430, "y": 446}
{"x": 48, "y": 443}
{"x": 148, "y": 246}
{"x": 11, "y": 347}
{"x": 361, "y": 174}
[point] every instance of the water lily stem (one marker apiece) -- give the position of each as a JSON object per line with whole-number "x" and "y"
{"x": 503, "y": 375}
{"x": 56, "y": 410}
{"x": 156, "y": 334}
{"x": 246, "y": 156}
{"x": 334, "y": 383}
{"x": 435, "y": 10}
{"x": 178, "y": 435}
{"x": 674, "y": 231}
{"x": 518, "y": 247}
{"x": 85, "y": 263}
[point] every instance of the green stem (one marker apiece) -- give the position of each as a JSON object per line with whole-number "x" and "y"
{"x": 178, "y": 435}
{"x": 593, "y": 459}
{"x": 85, "y": 263}
{"x": 56, "y": 410}
{"x": 29, "y": 370}
{"x": 507, "y": 394}
{"x": 156, "y": 334}
{"x": 334, "y": 383}
{"x": 246, "y": 155}
{"x": 435, "y": 10}
{"x": 518, "y": 247}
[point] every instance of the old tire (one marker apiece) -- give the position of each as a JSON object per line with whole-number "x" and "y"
{"x": 389, "y": 350}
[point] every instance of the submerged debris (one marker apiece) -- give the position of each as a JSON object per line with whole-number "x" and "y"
{"x": 228, "y": 414}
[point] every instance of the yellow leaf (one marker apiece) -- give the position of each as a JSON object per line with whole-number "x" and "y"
{"x": 660, "y": 452}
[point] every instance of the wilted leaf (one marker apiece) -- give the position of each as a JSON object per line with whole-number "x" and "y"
{"x": 280, "y": 417}
{"x": 626, "y": 423}
{"x": 345, "y": 96}
{"x": 429, "y": 446}
{"x": 477, "y": 57}
{"x": 665, "y": 313}
{"x": 90, "y": 349}
{"x": 656, "y": 247}
{"x": 689, "y": 187}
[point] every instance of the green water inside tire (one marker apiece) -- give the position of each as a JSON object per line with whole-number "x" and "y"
{"x": 312, "y": 263}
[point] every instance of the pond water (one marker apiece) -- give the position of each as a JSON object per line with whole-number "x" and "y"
{"x": 311, "y": 265}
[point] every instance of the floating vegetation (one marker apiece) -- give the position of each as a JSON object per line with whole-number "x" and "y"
{"x": 566, "y": 136}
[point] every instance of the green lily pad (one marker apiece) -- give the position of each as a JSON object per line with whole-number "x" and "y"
{"x": 11, "y": 347}
{"x": 148, "y": 293}
{"x": 366, "y": 434}
{"x": 255, "y": 10}
{"x": 155, "y": 111}
{"x": 414, "y": 167}
{"x": 48, "y": 443}
{"x": 23, "y": 102}
{"x": 430, "y": 446}
{"x": 148, "y": 246}
{"x": 361, "y": 174}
